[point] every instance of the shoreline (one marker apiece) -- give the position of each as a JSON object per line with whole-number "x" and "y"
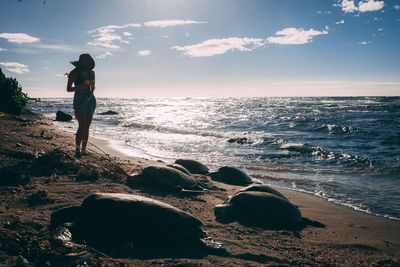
{"x": 117, "y": 148}
{"x": 340, "y": 174}
{"x": 306, "y": 201}
{"x": 349, "y": 238}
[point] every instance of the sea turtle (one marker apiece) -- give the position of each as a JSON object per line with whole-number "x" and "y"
{"x": 180, "y": 168}
{"x": 261, "y": 209}
{"x": 163, "y": 178}
{"x": 262, "y": 188}
{"x": 193, "y": 166}
{"x": 231, "y": 175}
{"x": 105, "y": 218}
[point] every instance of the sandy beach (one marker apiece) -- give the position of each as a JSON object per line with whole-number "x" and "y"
{"x": 350, "y": 238}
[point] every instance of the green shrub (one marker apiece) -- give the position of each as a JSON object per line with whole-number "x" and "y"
{"x": 12, "y": 99}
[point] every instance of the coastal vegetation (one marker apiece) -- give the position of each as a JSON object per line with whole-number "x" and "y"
{"x": 12, "y": 99}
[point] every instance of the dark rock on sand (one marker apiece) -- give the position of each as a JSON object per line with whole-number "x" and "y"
{"x": 85, "y": 174}
{"x": 73, "y": 259}
{"x": 21, "y": 262}
{"x": 54, "y": 160}
{"x": 109, "y": 112}
{"x": 62, "y": 116}
{"x": 260, "y": 209}
{"x": 180, "y": 168}
{"x": 13, "y": 176}
{"x": 39, "y": 198}
{"x": 193, "y": 166}
{"x": 104, "y": 218}
{"x": 46, "y": 135}
{"x": 13, "y": 224}
{"x": 163, "y": 178}
{"x": 262, "y": 188}
{"x": 231, "y": 175}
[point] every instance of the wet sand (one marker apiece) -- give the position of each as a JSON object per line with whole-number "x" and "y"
{"x": 350, "y": 238}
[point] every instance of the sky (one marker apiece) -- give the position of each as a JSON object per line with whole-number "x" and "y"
{"x": 205, "y": 48}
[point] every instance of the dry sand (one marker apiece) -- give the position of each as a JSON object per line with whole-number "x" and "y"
{"x": 351, "y": 238}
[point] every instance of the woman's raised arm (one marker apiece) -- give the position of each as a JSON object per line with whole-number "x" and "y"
{"x": 71, "y": 79}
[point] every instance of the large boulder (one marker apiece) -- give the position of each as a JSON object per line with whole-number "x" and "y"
{"x": 62, "y": 116}
{"x": 193, "y": 166}
{"x": 162, "y": 178}
{"x": 240, "y": 140}
{"x": 143, "y": 222}
{"x": 109, "y": 112}
{"x": 179, "y": 167}
{"x": 259, "y": 209}
{"x": 262, "y": 188}
{"x": 231, "y": 175}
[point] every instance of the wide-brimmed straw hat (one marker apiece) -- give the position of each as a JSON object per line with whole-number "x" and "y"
{"x": 85, "y": 62}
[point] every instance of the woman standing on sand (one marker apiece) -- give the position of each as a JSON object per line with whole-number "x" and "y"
{"x": 84, "y": 101}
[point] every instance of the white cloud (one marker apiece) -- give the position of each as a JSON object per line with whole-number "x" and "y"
{"x": 109, "y": 36}
{"x": 19, "y": 38}
{"x": 2, "y": 49}
{"x": 327, "y": 12}
{"x": 15, "y": 67}
{"x": 364, "y": 43}
{"x": 106, "y": 36}
{"x": 349, "y": 6}
{"x": 214, "y": 47}
{"x": 54, "y": 48}
{"x": 59, "y": 47}
{"x": 397, "y": 7}
{"x": 295, "y": 36}
{"x": 110, "y": 28}
{"x": 105, "y": 39}
{"x": 171, "y": 22}
{"x": 370, "y": 5}
{"x": 339, "y": 22}
{"x": 104, "y": 55}
{"x": 144, "y": 53}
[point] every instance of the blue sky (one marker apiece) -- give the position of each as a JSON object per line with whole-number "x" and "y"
{"x": 205, "y": 47}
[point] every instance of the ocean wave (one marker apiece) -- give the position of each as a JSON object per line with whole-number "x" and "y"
{"x": 174, "y": 130}
{"x": 340, "y": 130}
{"x": 304, "y": 149}
{"x": 320, "y": 152}
{"x": 329, "y": 190}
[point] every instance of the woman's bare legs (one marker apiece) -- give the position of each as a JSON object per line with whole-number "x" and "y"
{"x": 85, "y": 133}
{"x": 82, "y": 133}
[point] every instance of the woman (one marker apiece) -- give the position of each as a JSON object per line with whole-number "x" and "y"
{"x": 83, "y": 79}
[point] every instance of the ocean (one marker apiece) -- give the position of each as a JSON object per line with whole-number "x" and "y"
{"x": 346, "y": 150}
